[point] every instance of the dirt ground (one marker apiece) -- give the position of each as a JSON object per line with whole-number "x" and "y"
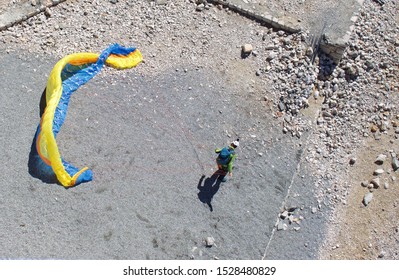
{"x": 363, "y": 233}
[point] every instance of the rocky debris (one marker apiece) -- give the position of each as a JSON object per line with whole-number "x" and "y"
{"x": 380, "y": 180}
{"x": 284, "y": 215}
{"x": 367, "y": 198}
{"x": 281, "y": 226}
{"x": 288, "y": 218}
{"x": 288, "y": 63}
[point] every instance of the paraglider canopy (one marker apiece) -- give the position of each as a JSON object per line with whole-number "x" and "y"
{"x": 66, "y": 77}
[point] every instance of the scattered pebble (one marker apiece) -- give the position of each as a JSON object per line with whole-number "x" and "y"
{"x": 209, "y": 241}
{"x": 367, "y": 198}
{"x": 379, "y": 171}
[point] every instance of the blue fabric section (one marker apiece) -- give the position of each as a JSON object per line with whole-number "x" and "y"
{"x": 70, "y": 70}
{"x": 73, "y": 77}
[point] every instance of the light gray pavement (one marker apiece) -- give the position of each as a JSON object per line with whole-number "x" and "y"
{"x": 148, "y": 152}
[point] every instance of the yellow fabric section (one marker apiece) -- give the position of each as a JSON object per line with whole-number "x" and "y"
{"x": 47, "y": 145}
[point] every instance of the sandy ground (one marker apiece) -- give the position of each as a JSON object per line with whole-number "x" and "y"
{"x": 363, "y": 233}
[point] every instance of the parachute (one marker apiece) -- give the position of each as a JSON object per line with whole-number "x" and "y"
{"x": 67, "y": 76}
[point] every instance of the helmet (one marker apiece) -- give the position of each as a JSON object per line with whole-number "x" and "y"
{"x": 236, "y": 143}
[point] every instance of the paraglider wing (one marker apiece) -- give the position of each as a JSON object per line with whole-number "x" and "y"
{"x": 67, "y": 76}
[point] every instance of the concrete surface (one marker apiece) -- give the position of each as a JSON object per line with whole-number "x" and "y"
{"x": 148, "y": 152}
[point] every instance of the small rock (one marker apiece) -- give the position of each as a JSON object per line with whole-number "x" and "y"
{"x": 376, "y": 183}
{"x": 373, "y": 128}
{"x": 246, "y": 49}
{"x": 395, "y": 163}
{"x": 284, "y": 215}
{"x": 281, "y": 226}
{"x": 48, "y": 12}
{"x": 314, "y": 210}
{"x": 377, "y": 136}
{"x": 209, "y": 241}
{"x": 281, "y": 106}
{"x": 367, "y": 198}
{"x": 365, "y": 184}
{"x": 380, "y": 159}
{"x": 379, "y": 171}
{"x": 309, "y": 52}
{"x": 352, "y": 161}
{"x": 386, "y": 185}
{"x": 271, "y": 56}
{"x": 200, "y": 7}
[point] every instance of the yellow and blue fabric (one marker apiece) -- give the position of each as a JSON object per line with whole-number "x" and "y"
{"x": 67, "y": 76}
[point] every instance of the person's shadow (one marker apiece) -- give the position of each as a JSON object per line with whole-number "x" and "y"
{"x": 208, "y": 188}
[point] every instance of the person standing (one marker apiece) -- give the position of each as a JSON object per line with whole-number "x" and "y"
{"x": 225, "y": 160}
